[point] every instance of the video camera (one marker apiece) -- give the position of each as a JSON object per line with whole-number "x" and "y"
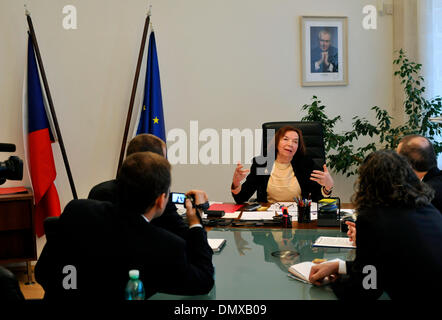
{"x": 11, "y": 169}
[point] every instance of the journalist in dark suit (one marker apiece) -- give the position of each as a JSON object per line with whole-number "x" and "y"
{"x": 108, "y": 190}
{"x": 399, "y": 233}
{"x": 103, "y": 241}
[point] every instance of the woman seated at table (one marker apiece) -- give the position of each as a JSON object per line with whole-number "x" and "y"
{"x": 290, "y": 176}
{"x": 399, "y": 235}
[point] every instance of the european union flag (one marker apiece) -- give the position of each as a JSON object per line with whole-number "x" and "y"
{"x": 151, "y": 117}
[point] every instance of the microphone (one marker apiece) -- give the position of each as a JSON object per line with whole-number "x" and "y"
{"x": 7, "y": 147}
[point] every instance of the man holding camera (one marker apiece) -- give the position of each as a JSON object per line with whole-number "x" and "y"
{"x": 103, "y": 241}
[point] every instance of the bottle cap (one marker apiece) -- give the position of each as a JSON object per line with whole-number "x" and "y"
{"x": 134, "y": 274}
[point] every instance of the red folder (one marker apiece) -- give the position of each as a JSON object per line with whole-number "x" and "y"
{"x": 15, "y": 190}
{"x": 226, "y": 207}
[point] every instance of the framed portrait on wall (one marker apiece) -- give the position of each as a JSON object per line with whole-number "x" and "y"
{"x": 324, "y": 51}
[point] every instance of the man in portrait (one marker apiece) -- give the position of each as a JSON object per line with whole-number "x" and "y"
{"x": 324, "y": 56}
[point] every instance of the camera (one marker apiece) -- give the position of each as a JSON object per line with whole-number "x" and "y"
{"x": 180, "y": 198}
{"x": 11, "y": 169}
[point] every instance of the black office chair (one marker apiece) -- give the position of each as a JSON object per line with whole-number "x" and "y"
{"x": 312, "y": 133}
{"x": 50, "y": 226}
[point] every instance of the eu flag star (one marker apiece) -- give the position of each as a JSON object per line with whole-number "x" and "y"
{"x": 155, "y": 120}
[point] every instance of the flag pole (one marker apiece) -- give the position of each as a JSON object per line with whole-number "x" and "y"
{"x": 134, "y": 90}
{"x": 51, "y": 105}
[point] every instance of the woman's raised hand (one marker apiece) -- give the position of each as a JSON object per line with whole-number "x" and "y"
{"x": 239, "y": 175}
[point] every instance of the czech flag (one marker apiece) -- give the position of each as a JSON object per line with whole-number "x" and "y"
{"x": 38, "y": 139}
{"x": 151, "y": 117}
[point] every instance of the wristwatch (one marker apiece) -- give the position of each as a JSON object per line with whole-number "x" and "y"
{"x": 327, "y": 192}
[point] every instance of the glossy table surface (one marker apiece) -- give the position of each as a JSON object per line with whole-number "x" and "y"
{"x": 253, "y": 264}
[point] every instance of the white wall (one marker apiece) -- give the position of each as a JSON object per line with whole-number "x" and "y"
{"x": 227, "y": 64}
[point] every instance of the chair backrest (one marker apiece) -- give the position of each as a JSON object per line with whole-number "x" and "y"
{"x": 50, "y": 225}
{"x": 312, "y": 133}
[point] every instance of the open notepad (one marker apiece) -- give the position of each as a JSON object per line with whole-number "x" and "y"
{"x": 301, "y": 271}
{"x": 334, "y": 242}
{"x": 216, "y": 244}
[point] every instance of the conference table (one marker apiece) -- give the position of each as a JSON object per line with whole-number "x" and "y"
{"x": 254, "y": 262}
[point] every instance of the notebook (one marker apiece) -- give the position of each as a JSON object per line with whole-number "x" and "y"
{"x": 301, "y": 271}
{"x": 334, "y": 242}
{"x": 216, "y": 244}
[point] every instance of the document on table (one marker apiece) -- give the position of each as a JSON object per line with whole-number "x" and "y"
{"x": 231, "y": 215}
{"x": 216, "y": 244}
{"x": 257, "y": 215}
{"x": 334, "y": 242}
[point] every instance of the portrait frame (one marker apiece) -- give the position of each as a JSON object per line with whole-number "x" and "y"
{"x": 324, "y": 50}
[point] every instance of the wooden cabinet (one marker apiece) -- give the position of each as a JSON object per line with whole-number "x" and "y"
{"x": 17, "y": 232}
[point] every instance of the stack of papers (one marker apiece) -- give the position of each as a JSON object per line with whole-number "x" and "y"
{"x": 328, "y": 205}
{"x": 334, "y": 242}
{"x": 257, "y": 215}
{"x": 231, "y": 215}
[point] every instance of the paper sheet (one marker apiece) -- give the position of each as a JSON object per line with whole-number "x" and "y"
{"x": 334, "y": 242}
{"x": 257, "y": 215}
{"x": 231, "y": 215}
{"x": 216, "y": 244}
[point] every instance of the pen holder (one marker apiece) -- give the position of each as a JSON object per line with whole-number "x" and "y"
{"x": 304, "y": 214}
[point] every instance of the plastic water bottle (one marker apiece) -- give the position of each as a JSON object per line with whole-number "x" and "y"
{"x": 135, "y": 287}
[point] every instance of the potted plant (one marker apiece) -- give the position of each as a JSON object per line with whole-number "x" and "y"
{"x": 343, "y": 157}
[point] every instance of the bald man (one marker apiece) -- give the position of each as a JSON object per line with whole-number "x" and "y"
{"x": 420, "y": 154}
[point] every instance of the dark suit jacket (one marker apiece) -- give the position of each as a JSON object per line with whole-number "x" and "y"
{"x": 404, "y": 245}
{"x": 258, "y": 180}
{"x": 170, "y": 220}
{"x": 103, "y": 243}
{"x": 434, "y": 179}
{"x": 316, "y": 55}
